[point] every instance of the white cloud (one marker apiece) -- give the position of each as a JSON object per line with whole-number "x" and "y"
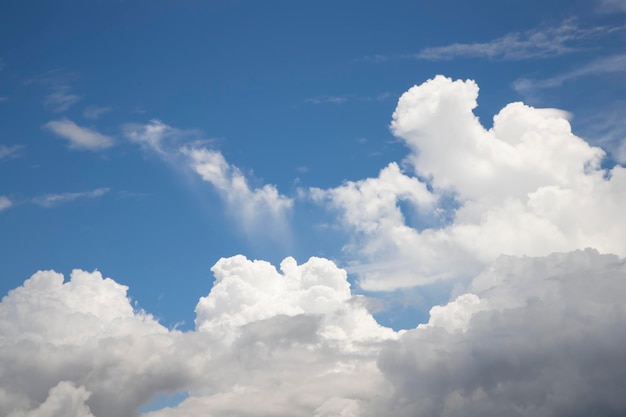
{"x": 50, "y": 200}
{"x": 58, "y": 83}
{"x": 254, "y": 208}
{"x": 79, "y": 137}
{"x": 9, "y": 151}
{"x": 530, "y": 336}
{"x": 536, "y": 43}
{"x": 5, "y": 203}
{"x": 64, "y": 400}
{"x": 604, "y": 65}
{"x": 510, "y": 189}
{"x": 327, "y": 99}
{"x": 94, "y": 112}
{"x": 252, "y": 205}
{"x": 151, "y": 135}
{"x": 547, "y": 341}
{"x": 60, "y": 100}
{"x": 612, "y": 5}
{"x": 63, "y": 340}
{"x": 293, "y": 343}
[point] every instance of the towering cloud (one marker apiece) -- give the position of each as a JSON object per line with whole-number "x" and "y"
{"x": 527, "y": 186}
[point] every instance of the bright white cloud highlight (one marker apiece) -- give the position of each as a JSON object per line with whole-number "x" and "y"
{"x": 80, "y": 138}
{"x": 50, "y": 200}
{"x": 528, "y": 186}
{"x": 250, "y": 205}
{"x": 267, "y": 343}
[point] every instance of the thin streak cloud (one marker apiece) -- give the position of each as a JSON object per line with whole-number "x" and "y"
{"x": 51, "y": 200}
{"x": 535, "y": 43}
{"x": 79, "y": 137}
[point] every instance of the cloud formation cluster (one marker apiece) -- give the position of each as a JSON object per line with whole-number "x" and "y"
{"x": 528, "y": 333}
{"x": 265, "y": 342}
{"x": 527, "y": 186}
{"x": 529, "y": 336}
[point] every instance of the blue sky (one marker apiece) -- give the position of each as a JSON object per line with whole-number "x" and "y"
{"x": 149, "y": 139}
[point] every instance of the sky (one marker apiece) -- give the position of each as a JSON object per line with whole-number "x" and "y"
{"x": 326, "y": 209}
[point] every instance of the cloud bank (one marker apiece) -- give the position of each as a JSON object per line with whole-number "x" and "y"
{"x": 529, "y": 336}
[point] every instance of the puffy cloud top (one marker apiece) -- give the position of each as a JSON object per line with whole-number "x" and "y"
{"x": 528, "y": 186}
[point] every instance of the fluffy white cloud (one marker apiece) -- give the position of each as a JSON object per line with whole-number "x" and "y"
{"x": 527, "y": 186}
{"x": 252, "y": 206}
{"x": 84, "y": 332}
{"x": 547, "y": 341}
{"x": 266, "y": 344}
{"x": 79, "y": 137}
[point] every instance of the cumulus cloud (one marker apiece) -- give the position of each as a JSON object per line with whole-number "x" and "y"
{"x": 535, "y": 43}
{"x": 67, "y": 344}
{"x": 50, "y": 200}
{"x": 250, "y": 205}
{"x": 546, "y": 341}
{"x": 266, "y": 343}
{"x": 527, "y": 186}
{"x": 528, "y": 336}
{"x": 79, "y": 137}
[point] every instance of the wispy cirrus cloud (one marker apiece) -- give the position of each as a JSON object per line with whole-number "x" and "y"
{"x": 5, "y": 203}
{"x": 604, "y": 65}
{"x": 534, "y": 43}
{"x": 608, "y": 6}
{"x": 51, "y": 200}
{"x": 327, "y": 100}
{"x": 58, "y": 83}
{"x": 184, "y": 149}
{"x": 94, "y": 112}
{"x": 251, "y": 205}
{"x": 60, "y": 100}
{"x": 158, "y": 136}
{"x": 340, "y": 99}
{"x": 12, "y": 151}
{"x": 79, "y": 137}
